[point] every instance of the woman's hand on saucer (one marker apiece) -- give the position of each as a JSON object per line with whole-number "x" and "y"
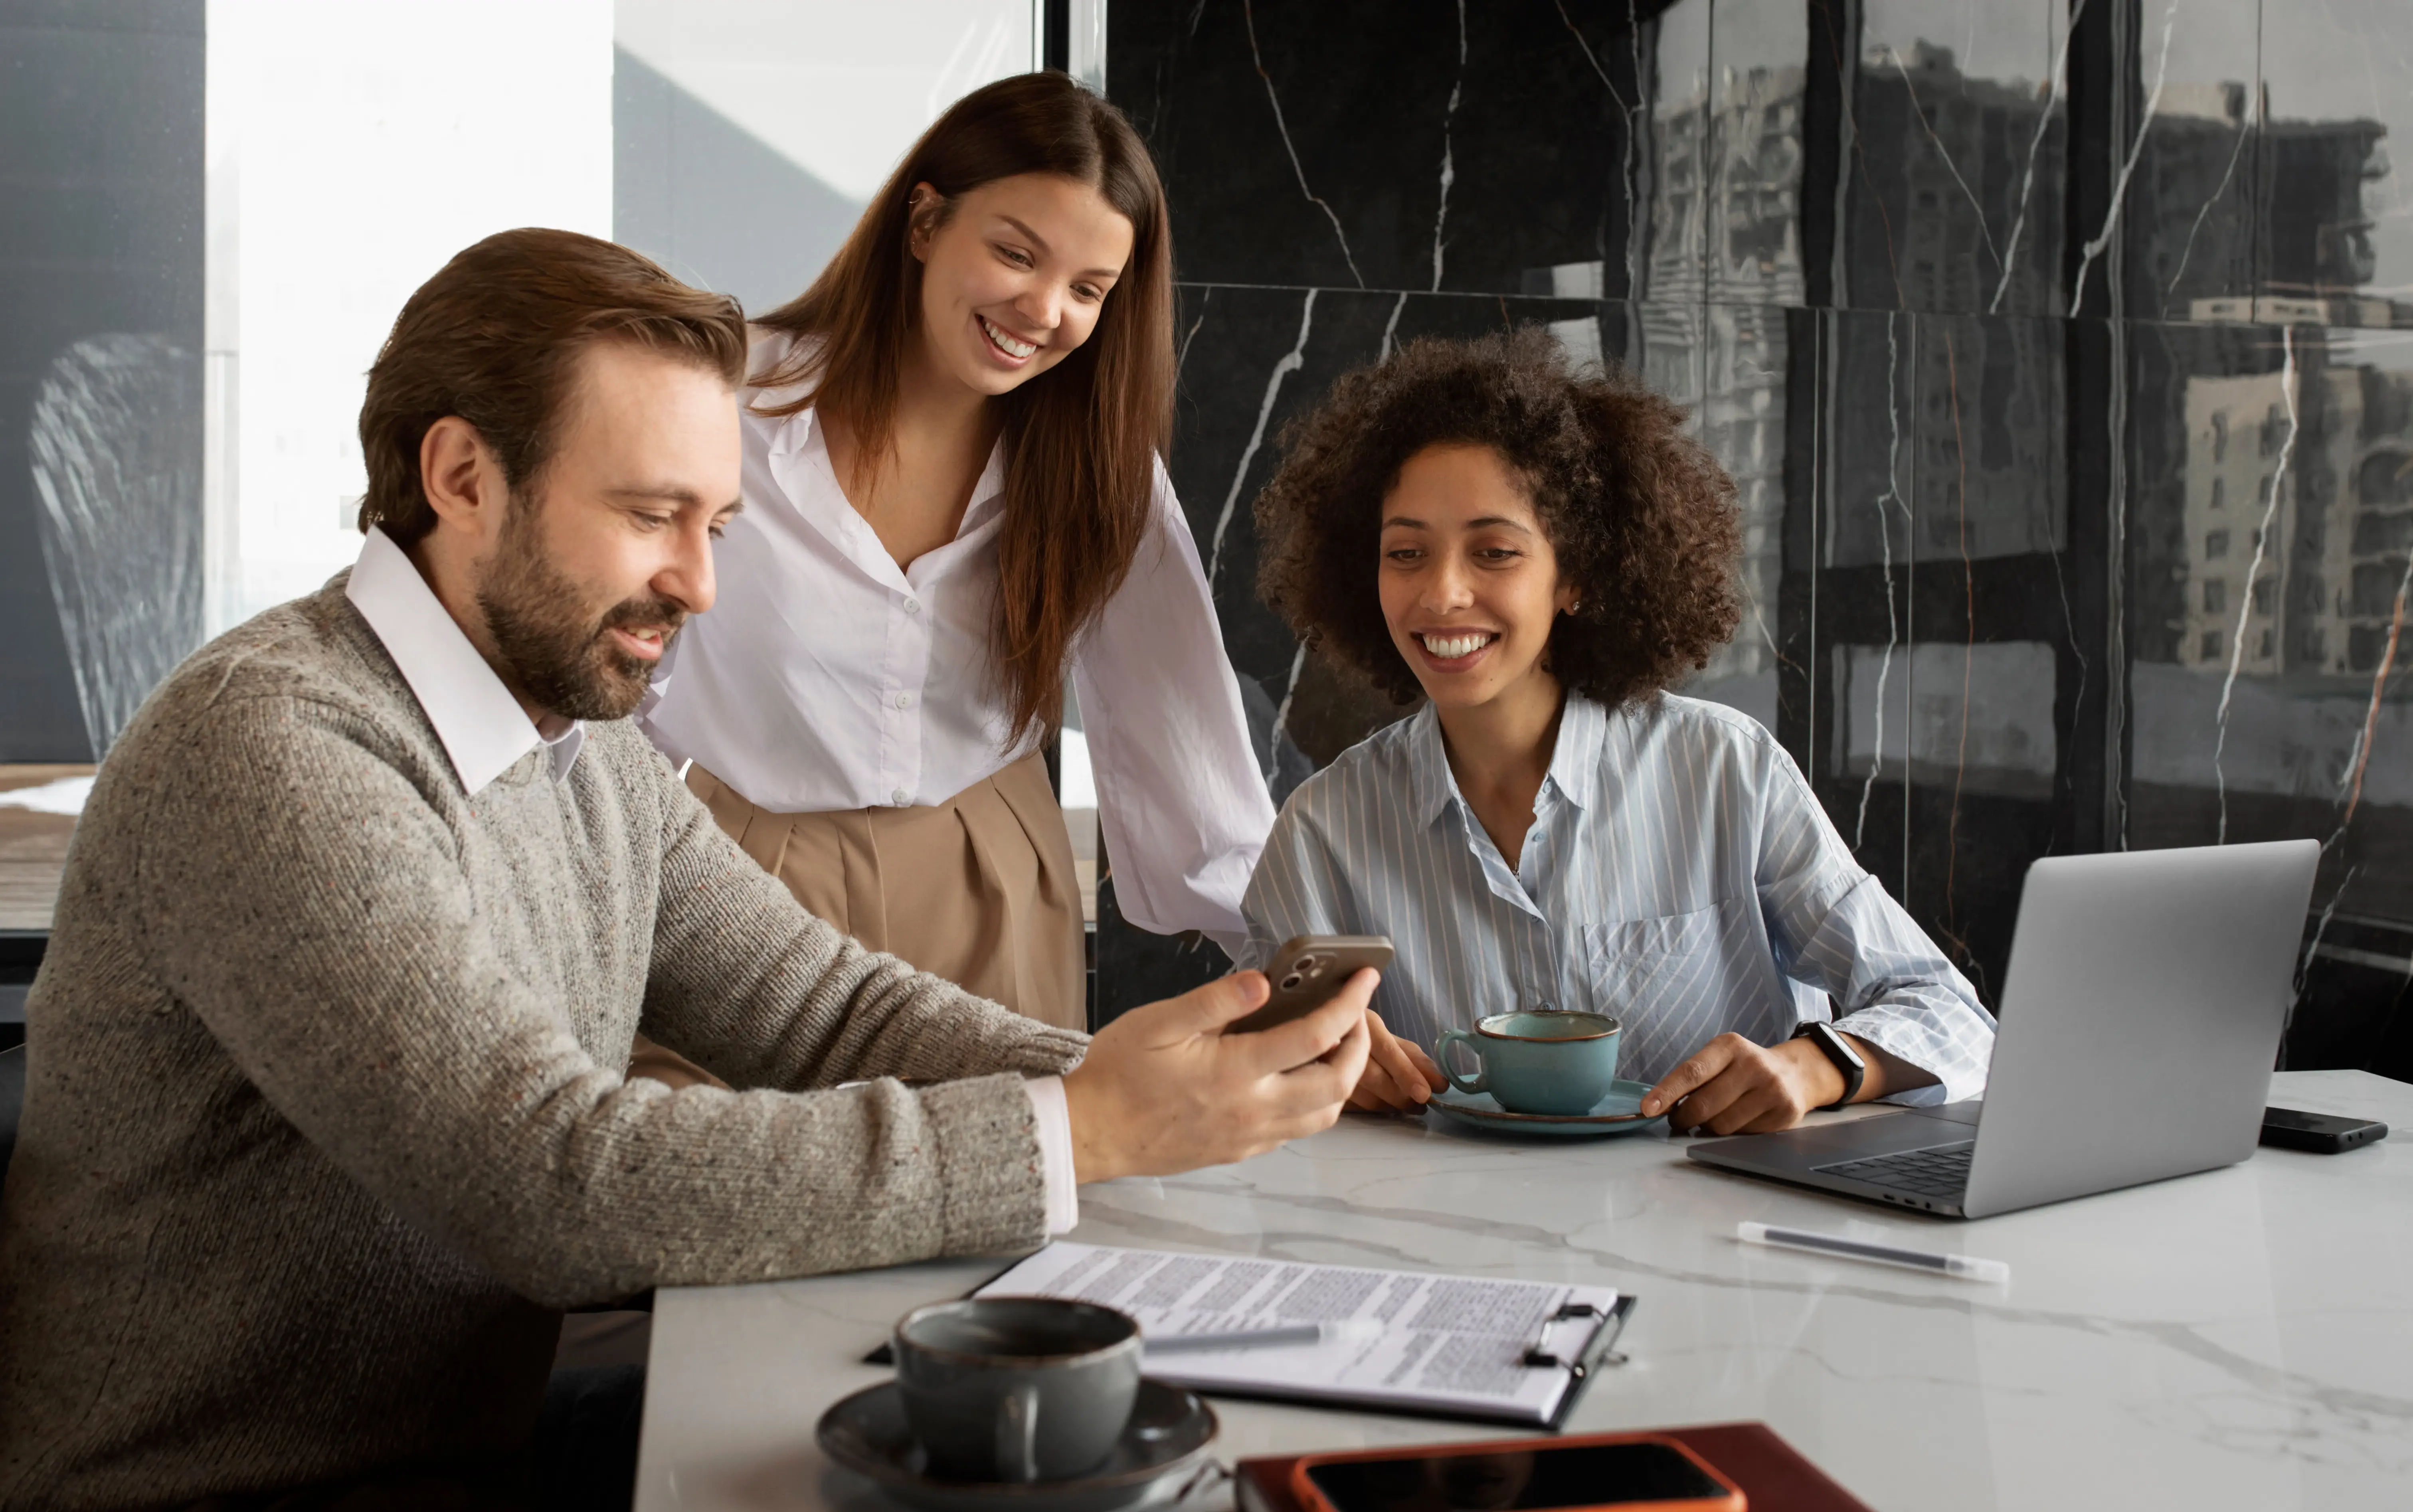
{"x": 1400, "y": 1077}
{"x": 1164, "y": 1090}
{"x": 1732, "y": 1086}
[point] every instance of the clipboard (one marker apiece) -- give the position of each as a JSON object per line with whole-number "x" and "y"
{"x": 1579, "y": 1338}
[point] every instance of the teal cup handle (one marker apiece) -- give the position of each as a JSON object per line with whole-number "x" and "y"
{"x": 1480, "y": 1081}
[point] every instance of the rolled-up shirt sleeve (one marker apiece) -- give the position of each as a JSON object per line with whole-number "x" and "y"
{"x": 1835, "y": 928}
{"x": 1052, "y": 1116}
{"x": 1181, "y": 795}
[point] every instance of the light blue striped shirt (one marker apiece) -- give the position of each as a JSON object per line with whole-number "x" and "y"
{"x": 1679, "y": 875}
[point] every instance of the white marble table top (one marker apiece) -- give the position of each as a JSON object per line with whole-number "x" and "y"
{"x": 2240, "y": 1339}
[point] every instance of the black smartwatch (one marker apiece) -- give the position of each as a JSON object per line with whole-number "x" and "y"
{"x": 1847, "y": 1059}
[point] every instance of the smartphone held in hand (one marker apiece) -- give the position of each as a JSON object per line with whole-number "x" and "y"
{"x": 1307, "y": 970}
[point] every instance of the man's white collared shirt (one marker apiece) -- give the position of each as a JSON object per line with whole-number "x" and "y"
{"x": 482, "y": 725}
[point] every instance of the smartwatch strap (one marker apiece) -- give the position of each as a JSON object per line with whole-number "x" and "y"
{"x": 1830, "y": 1043}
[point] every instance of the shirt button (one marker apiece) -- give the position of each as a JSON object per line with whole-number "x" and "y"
{"x": 899, "y": 797}
{"x": 903, "y": 700}
{"x": 912, "y": 606}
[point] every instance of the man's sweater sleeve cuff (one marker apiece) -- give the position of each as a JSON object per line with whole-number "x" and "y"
{"x": 1053, "y": 1117}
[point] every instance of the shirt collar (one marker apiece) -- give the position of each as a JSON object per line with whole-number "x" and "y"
{"x": 1435, "y": 788}
{"x": 1575, "y": 761}
{"x": 483, "y": 729}
{"x": 797, "y": 441}
{"x": 800, "y": 437}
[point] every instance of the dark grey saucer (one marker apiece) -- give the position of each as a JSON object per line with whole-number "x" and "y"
{"x": 1168, "y": 1436}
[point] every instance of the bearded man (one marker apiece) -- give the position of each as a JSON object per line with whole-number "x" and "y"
{"x": 327, "y": 1109}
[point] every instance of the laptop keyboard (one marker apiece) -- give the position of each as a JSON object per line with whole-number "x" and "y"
{"x": 1939, "y": 1171}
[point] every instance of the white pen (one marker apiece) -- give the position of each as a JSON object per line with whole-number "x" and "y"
{"x": 1302, "y": 1333}
{"x": 1967, "y": 1268}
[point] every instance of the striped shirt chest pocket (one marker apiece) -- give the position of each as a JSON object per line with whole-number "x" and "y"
{"x": 1666, "y": 979}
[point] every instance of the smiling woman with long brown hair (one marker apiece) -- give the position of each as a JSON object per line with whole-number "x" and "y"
{"x": 955, "y": 511}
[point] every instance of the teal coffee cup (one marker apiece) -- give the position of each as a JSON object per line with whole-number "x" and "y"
{"x": 1537, "y": 1062}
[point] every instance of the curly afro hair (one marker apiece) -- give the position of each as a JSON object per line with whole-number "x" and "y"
{"x": 1642, "y": 519}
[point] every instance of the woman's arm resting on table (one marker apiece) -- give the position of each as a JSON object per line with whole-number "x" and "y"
{"x": 1732, "y": 1086}
{"x": 1834, "y": 928}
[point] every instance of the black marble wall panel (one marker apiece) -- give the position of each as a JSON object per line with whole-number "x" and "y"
{"x": 2064, "y": 365}
{"x": 1957, "y": 157}
{"x": 1388, "y": 143}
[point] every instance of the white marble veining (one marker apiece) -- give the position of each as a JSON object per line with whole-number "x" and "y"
{"x": 1273, "y": 98}
{"x": 2253, "y": 571}
{"x": 2242, "y": 1339}
{"x": 1291, "y": 363}
{"x": 2096, "y": 246}
{"x": 1885, "y": 545}
{"x": 2045, "y": 118}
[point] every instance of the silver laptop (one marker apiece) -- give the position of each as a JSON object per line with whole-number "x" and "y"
{"x": 2140, "y": 1016}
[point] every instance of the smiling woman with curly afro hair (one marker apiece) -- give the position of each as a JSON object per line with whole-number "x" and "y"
{"x": 1544, "y": 554}
{"x": 1642, "y": 518}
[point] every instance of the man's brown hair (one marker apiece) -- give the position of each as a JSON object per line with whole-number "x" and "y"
{"x": 494, "y": 338}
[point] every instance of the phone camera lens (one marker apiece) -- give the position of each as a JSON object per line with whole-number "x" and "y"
{"x": 1311, "y": 966}
{"x": 1291, "y": 982}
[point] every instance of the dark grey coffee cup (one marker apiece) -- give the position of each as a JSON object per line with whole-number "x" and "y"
{"x": 1017, "y": 1389}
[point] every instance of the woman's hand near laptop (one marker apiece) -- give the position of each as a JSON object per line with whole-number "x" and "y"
{"x": 1165, "y": 1091}
{"x": 1732, "y": 1086}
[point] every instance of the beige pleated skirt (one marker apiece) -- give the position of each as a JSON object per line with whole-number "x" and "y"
{"x": 979, "y": 889}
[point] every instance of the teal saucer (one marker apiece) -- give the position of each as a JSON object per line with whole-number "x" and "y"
{"x": 1618, "y": 1113}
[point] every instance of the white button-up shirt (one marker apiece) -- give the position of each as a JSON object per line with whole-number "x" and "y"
{"x": 484, "y": 731}
{"x": 827, "y": 677}
{"x": 1680, "y": 875}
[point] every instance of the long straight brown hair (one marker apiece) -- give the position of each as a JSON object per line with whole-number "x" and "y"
{"x": 1081, "y": 440}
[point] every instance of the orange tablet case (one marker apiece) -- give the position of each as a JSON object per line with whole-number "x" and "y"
{"x": 1771, "y": 1473}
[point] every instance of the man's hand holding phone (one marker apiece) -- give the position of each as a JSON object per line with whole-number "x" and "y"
{"x": 1306, "y": 973}
{"x": 1166, "y": 1088}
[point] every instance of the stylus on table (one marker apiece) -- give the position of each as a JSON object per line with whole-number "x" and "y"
{"x": 1302, "y": 1333}
{"x": 1968, "y": 1268}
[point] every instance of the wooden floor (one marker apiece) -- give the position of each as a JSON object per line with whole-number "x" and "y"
{"x": 33, "y": 849}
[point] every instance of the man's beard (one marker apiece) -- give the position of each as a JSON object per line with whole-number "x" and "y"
{"x": 554, "y": 650}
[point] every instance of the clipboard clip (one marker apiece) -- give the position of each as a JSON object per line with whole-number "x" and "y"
{"x": 1597, "y": 1351}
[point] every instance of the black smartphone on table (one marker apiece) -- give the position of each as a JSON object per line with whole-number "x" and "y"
{"x": 1629, "y": 1471}
{"x": 2323, "y": 1133}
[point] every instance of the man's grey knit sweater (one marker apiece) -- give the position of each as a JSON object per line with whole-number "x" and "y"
{"x": 325, "y": 1114}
